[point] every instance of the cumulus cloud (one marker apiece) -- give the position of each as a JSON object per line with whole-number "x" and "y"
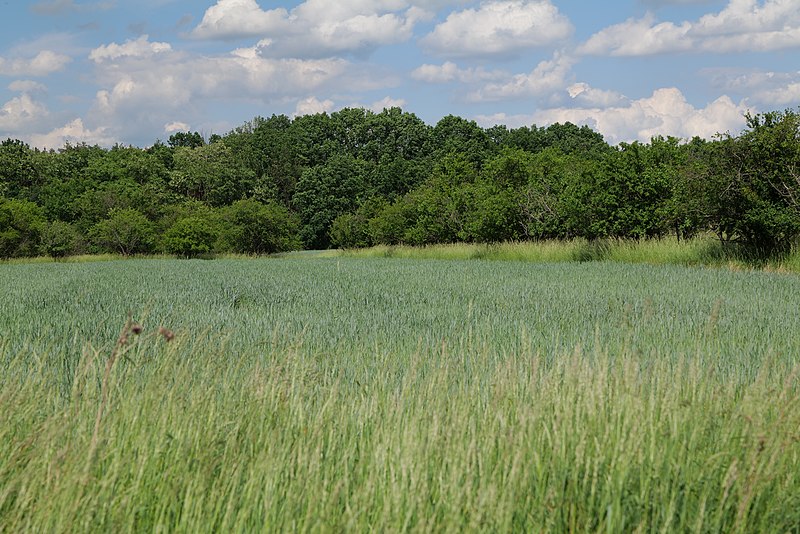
{"x": 786, "y": 95}
{"x": 742, "y": 26}
{"x": 20, "y": 112}
{"x": 74, "y": 133}
{"x": 312, "y": 105}
{"x": 768, "y": 89}
{"x": 176, "y": 126}
{"x": 638, "y": 37}
{"x": 548, "y": 77}
{"x": 44, "y": 63}
{"x": 587, "y": 95}
{"x": 450, "y": 72}
{"x": 315, "y": 28}
{"x": 139, "y": 48}
{"x": 387, "y": 103}
{"x": 231, "y": 19}
{"x": 666, "y": 112}
{"x": 498, "y": 28}
{"x": 139, "y": 97}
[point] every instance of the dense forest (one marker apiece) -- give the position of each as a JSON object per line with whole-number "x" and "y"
{"x": 355, "y": 178}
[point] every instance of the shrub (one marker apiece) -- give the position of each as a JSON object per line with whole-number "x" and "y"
{"x": 190, "y": 237}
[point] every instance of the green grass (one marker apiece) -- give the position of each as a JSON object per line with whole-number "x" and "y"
{"x": 705, "y": 250}
{"x": 382, "y": 395}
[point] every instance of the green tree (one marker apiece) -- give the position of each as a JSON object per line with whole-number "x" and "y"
{"x": 268, "y": 147}
{"x": 326, "y": 192}
{"x": 126, "y": 231}
{"x": 186, "y": 140}
{"x": 190, "y": 237}
{"x": 60, "y": 239}
{"x": 256, "y": 228}
{"x": 21, "y": 226}
{"x": 352, "y": 230}
{"x": 455, "y": 134}
{"x": 18, "y": 173}
{"x": 391, "y": 222}
{"x": 210, "y": 173}
{"x": 745, "y": 188}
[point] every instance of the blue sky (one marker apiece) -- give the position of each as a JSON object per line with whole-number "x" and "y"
{"x": 113, "y": 71}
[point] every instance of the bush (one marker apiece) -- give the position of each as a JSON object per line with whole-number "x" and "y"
{"x": 190, "y": 237}
{"x": 60, "y": 239}
{"x": 260, "y": 228}
{"x": 125, "y": 231}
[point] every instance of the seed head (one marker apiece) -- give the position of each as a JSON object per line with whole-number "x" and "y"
{"x": 168, "y": 334}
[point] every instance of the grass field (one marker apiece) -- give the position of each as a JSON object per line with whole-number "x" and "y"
{"x": 331, "y": 394}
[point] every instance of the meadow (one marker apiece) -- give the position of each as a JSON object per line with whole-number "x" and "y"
{"x": 384, "y": 394}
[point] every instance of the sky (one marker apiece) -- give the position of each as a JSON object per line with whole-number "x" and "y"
{"x": 133, "y": 72}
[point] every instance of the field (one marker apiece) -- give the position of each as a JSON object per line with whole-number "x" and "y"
{"x": 381, "y": 394}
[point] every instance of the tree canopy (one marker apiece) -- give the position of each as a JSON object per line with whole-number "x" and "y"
{"x": 359, "y": 178}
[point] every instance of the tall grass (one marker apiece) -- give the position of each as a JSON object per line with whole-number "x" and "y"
{"x": 451, "y": 441}
{"x": 704, "y": 250}
{"x": 380, "y": 395}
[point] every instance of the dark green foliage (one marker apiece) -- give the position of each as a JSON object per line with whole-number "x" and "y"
{"x": 256, "y": 228}
{"x": 210, "y": 173}
{"x": 356, "y": 178}
{"x": 186, "y": 140}
{"x": 762, "y": 182}
{"x": 454, "y": 134}
{"x": 190, "y": 237}
{"x": 21, "y": 226}
{"x": 352, "y": 230}
{"x": 390, "y": 223}
{"x": 327, "y": 191}
{"x": 60, "y": 239}
{"x": 126, "y": 231}
{"x": 17, "y": 169}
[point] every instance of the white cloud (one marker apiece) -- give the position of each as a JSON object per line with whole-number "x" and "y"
{"x": 137, "y": 97}
{"x": 176, "y": 126}
{"x": 387, "y": 103}
{"x": 450, "y": 72}
{"x": 666, "y": 112}
{"x": 44, "y": 63}
{"x": 229, "y": 19}
{"x": 139, "y": 48}
{"x": 587, "y": 95}
{"x": 636, "y": 37}
{"x": 20, "y": 112}
{"x": 74, "y": 132}
{"x": 769, "y": 89}
{"x": 312, "y": 106}
{"x": 548, "y": 77}
{"x": 173, "y": 82}
{"x": 27, "y": 86}
{"x": 742, "y": 26}
{"x": 787, "y": 95}
{"x": 498, "y": 28}
{"x": 315, "y": 28}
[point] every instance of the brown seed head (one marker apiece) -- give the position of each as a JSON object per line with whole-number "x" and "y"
{"x": 168, "y": 334}
{"x": 136, "y": 328}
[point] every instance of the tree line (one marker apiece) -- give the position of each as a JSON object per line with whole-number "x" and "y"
{"x": 356, "y": 178}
